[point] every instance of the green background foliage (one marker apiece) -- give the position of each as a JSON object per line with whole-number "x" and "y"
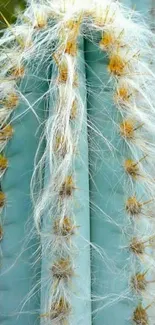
{"x": 10, "y": 9}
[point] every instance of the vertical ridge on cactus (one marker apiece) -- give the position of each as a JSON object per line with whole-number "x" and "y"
{"x": 125, "y": 65}
{"x": 23, "y": 87}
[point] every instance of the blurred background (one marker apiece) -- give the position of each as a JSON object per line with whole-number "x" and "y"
{"x": 10, "y": 9}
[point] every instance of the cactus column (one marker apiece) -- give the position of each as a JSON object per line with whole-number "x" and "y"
{"x": 65, "y": 228}
{"x": 107, "y": 196}
{"x": 19, "y": 302}
{"x": 120, "y": 221}
{"x": 117, "y": 154}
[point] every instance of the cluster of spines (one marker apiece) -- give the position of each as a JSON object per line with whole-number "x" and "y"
{"x": 122, "y": 66}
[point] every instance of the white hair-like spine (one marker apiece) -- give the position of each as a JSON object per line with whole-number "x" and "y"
{"x": 134, "y": 96}
{"x": 62, "y": 140}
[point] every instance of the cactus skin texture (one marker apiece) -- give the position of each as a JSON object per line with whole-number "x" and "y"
{"x": 19, "y": 242}
{"x": 77, "y": 141}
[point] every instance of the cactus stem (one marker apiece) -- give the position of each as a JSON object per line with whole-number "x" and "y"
{"x": 63, "y": 143}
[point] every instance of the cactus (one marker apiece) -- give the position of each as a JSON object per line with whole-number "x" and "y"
{"x": 122, "y": 176}
{"x": 77, "y": 165}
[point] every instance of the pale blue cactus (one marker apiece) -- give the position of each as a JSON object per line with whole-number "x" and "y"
{"x": 77, "y": 165}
